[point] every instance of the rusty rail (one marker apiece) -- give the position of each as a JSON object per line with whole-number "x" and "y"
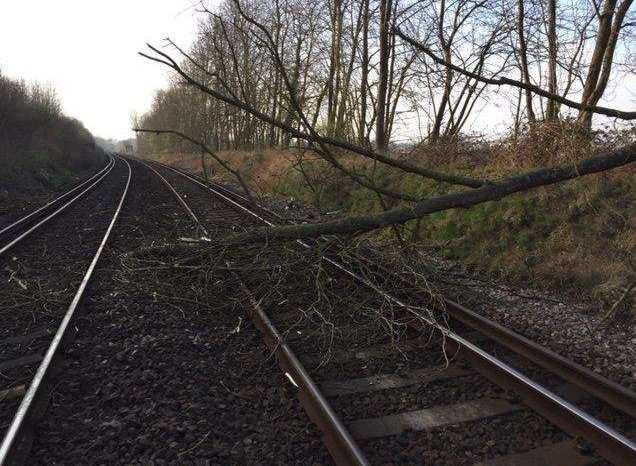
{"x": 17, "y": 439}
{"x": 337, "y": 438}
{"x": 611, "y": 444}
{"x": 607, "y": 390}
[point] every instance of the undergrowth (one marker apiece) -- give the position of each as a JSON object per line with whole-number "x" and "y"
{"x": 578, "y": 236}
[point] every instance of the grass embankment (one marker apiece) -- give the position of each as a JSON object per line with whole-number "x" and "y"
{"x": 47, "y": 166}
{"x": 579, "y": 236}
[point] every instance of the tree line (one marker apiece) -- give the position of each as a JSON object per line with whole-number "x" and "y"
{"x": 36, "y": 136}
{"x": 341, "y": 75}
{"x": 354, "y": 78}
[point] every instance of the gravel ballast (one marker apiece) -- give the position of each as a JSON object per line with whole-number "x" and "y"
{"x": 168, "y": 369}
{"x": 156, "y": 378}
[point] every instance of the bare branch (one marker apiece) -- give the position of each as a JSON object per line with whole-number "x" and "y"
{"x": 501, "y": 81}
{"x": 206, "y": 149}
{"x": 490, "y": 192}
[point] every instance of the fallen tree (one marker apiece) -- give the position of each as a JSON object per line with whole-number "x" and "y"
{"x": 489, "y": 192}
{"x": 481, "y": 191}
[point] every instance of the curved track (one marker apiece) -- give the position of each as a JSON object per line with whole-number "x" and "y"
{"x": 16, "y": 442}
{"x": 557, "y": 405}
{"x": 17, "y": 231}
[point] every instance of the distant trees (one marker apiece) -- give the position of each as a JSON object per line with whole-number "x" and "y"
{"x": 24, "y": 107}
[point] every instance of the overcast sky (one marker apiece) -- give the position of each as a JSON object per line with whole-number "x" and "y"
{"x": 88, "y": 51}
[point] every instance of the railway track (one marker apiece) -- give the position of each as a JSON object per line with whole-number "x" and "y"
{"x": 13, "y": 233}
{"x": 192, "y": 392}
{"x": 41, "y": 322}
{"x": 496, "y": 377}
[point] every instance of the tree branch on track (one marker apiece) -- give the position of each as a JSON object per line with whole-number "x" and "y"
{"x": 206, "y": 149}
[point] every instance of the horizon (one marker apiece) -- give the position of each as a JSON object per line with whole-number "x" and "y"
{"x": 111, "y": 82}
{"x": 92, "y": 61}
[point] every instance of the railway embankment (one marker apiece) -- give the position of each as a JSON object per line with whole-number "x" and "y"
{"x": 42, "y": 151}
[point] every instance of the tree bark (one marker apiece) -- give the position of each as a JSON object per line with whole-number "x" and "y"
{"x": 523, "y": 58}
{"x": 381, "y": 142}
{"x": 552, "y": 108}
{"x": 364, "y": 74}
{"x": 610, "y": 24}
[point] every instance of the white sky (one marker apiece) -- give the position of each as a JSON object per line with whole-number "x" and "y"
{"x": 88, "y": 51}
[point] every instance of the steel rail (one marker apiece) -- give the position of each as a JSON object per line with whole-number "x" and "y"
{"x": 6, "y": 247}
{"x": 14, "y": 445}
{"x": 338, "y": 439}
{"x": 610, "y": 444}
{"x": 182, "y": 201}
{"x": 201, "y": 182}
{"x": 595, "y": 384}
{"x": 38, "y": 212}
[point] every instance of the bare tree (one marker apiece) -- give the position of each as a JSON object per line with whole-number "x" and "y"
{"x": 611, "y": 16}
{"x": 386, "y": 10}
{"x": 329, "y": 148}
{"x": 523, "y": 58}
{"x": 552, "y": 109}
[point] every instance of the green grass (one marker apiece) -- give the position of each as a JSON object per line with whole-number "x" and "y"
{"x": 534, "y": 237}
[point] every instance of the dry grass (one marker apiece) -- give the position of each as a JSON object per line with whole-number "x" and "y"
{"x": 579, "y": 236}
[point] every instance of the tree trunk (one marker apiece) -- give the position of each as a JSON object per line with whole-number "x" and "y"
{"x": 552, "y": 109}
{"x": 441, "y": 110}
{"x": 364, "y": 78}
{"x": 523, "y": 58}
{"x": 333, "y": 88}
{"x": 385, "y": 20}
{"x": 602, "y": 57}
